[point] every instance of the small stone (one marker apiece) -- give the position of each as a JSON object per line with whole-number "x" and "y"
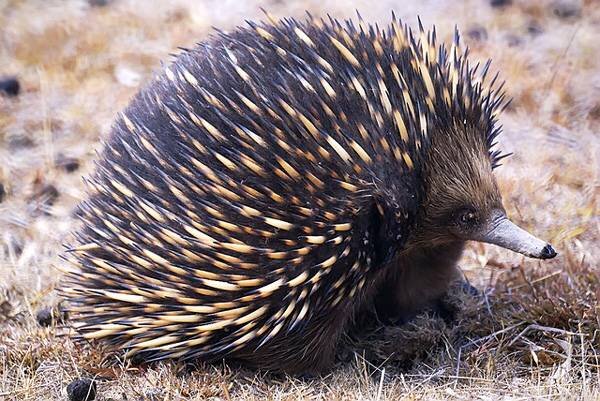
{"x": 566, "y": 9}
{"x": 42, "y": 198}
{"x": 44, "y": 317}
{"x": 534, "y": 28}
{"x": 98, "y": 3}
{"x": 477, "y": 33}
{"x": 47, "y": 194}
{"x": 69, "y": 164}
{"x": 5, "y": 310}
{"x": 594, "y": 113}
{"x": 2, "y": 192}
{"x": 82, "y": 390}
{"x": 20, "y": 141}
{"x": 513, "y": 40}
{"x": 48, "y": 316}
{"x": 10, "y": 86}
{"x": 14, "y": 245}
{"x": 500, "y": 3}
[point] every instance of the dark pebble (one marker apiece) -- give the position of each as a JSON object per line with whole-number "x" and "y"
{"x": 48, "y": 316}
{"x": 566, "y": 9}
{"x": 98, "y": 3}
{"x": 534, "y": 28}
{"x": 15, "y": 142}
{"x": 43, "y": 197}
{"x": 6, "y": 309}
{"x": 594, "y": 113}
{"x": 10, "y": 86}
{"x": 2, "y": 192}
{"x": 45, "y": 317}
{"x": 477, "y": 33}
{"x": 513, "y": 40}
{"x": 16, "y": 244}
{"x": 81, "y": 390}
{"x": 500, "y": 3}
{"x": 47, "y": 194}
{"x": 69, "y": 164}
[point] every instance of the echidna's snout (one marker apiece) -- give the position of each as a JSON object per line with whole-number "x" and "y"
{"x": 503, "y": 232}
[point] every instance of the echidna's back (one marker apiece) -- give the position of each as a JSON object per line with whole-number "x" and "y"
{"x": 237, "y": 207}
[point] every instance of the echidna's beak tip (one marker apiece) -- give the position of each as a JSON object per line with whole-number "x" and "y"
{"x": 548, "y": 252}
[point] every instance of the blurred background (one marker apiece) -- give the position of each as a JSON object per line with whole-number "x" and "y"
{"x": 67, "y": 67}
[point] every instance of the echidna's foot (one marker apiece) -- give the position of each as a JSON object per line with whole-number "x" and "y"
{"x": 448, "y": 306}
{"x": 469, "y": 289}
{"x": 394, "y": 317}
{"x": 445, "y": 309}
{"x": 445, "y": 306}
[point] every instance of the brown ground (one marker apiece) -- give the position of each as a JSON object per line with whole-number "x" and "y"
{"x": 535, "y": 332}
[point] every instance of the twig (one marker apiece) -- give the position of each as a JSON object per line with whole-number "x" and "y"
{"x": 458, "y": 365}
{"x": 527, "y": 282}
{"x": 429, "y": 377}
{"x": 380, "y": 389}
{"x": 583, "y": 375}
{"x": 558, "y": 60}
{"x": 555, "y": 68}
{"x": 493, "y": 334}
{"x": 556, "y": 273}
{"x": 226, "y": 391}
{"x": 541, "y": 328}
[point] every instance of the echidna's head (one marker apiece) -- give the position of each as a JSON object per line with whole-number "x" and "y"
{"x": 462, "y": 200}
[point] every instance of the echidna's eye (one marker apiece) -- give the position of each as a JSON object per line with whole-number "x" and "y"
{"x": 468, "y": 217}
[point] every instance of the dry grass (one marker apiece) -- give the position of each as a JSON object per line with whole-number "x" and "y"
{"x": 533, "y": 333}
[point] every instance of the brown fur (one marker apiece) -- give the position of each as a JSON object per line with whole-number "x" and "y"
{"x": 417, "y": 279}
{"x": 458, "y": 175}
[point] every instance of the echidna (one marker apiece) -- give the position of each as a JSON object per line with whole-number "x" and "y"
{"x": 272, "y": 180}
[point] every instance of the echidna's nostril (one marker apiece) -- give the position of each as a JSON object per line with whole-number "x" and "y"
{"x": 548, "y": 252}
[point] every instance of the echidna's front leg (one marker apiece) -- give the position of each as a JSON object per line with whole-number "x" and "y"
{"x": 417, "y": 280}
